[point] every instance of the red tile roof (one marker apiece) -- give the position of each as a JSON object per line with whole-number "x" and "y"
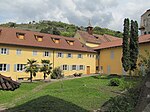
{"x": 8, "y": 36}
{"x": 97, "y": 39}
{"x": 6, "y": 83}
{"x": 116, "y": 43}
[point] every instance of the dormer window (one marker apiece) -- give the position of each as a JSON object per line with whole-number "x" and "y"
{"x": 39, "y": 38}
{"x": 20, "y": 36}
{"x": 56, "y": 40}
{"x": 70, "y": 42}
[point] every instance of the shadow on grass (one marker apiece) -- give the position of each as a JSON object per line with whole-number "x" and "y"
{"x": 47, "y": 104}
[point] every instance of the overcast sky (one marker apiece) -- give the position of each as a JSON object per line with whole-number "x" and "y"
{"x": 103, "y": 13}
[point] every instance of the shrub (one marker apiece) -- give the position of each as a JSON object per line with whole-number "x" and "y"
{"x": 77, "y": 74}
{"x": 114, "y": 82}
{"x": 124, "y": 103}
{"x": 57, "y": 73}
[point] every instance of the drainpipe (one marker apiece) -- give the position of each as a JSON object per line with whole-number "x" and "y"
{"x": 53, "y": 58}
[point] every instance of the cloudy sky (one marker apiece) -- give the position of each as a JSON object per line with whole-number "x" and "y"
{"x": 103, "y": 13}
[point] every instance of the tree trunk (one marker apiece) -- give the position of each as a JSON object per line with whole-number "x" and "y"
{"x": 44, "y": 76}
{"x": 30, "y": 76}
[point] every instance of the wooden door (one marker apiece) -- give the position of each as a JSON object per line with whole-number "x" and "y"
{"x": 88, "y": 70}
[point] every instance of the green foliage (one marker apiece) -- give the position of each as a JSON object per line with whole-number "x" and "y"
{"x": 125, "y": 46}
{"x": 32, "y": 67}
{"x": 46, "y": 67}
{"x": 57, "y": 73}
{"x": 124, "y": 103}
{"x": 114, "y": 82}
{"x": 130, "y": 47}
{"x": 144, "y": 63}
{"x": 134, "y": 45}
{"x": 102, "y": 31}
{"x": 60, "y": 28}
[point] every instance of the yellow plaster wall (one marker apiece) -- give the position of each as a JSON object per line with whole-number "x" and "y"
{"x": 116, "y": 64}
{"x": 26, "y": 53}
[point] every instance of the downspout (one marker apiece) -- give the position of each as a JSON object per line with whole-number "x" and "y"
{"x": 53, "y": 58}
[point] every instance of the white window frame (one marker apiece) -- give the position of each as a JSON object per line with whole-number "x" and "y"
{"x": 5, "y": 67}
{"x": 64, "y": 67}
{"x": 4, "y": 50}
{"x": 19, "y": 67}
{"x": 46, "y": 53}
{"x": 74, "y": 67}
{"x": 69, "y": 55}
{"x": 80, "y": 56}
{"x": 81, "y": 67}
{"x": 18, "y": 51}
{"x": 59, "y": 54}
{"x": 112, "y": 55}
{"x": 34, "y": 53}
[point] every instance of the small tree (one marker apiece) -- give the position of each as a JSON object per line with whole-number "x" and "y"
{"x": 46, "y": 67}
{"x": 57, "y": 73}
{"x": 32, "y": 68}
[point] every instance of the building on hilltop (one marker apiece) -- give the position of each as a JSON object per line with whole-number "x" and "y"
{"x": 93, "y": 40}
{"x": 145, "y": 23}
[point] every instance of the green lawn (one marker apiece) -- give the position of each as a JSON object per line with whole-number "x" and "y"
{"x": 77, "y": 95}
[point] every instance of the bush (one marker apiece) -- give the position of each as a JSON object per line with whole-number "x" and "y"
{"x": 114, "y": 82}
{"x": 77, "y": 74}
{"x": 124, "y": 103}
{"x": 57, "y": 73}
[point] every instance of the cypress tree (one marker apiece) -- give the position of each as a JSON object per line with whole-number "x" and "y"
{"x": 134, "y": 45}
{"x": 125, "y": 46}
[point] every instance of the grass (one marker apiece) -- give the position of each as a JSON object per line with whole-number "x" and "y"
{"x": 77, "y": 95}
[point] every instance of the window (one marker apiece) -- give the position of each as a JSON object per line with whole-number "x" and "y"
{"x": 18, "y": 51}
{"x": 144, "y": 33}
{"x": 20, "y": 36}
{"x": 59, "y": 54}
{"x": 81, "y": 67}
{"x": 79, "y": 55}
{"x": 19, "y": 67}
{"x": 39, "y": 38}
{"x": 108, "y": 69}
{"x": 112, "y": 55}
{"x": 56, "y": 40}
{"x": 4, "y": 51}
{"x": 70, "y": 42}
{"x": 69, "y": 55}
{"x": 46, "y": 54}
{"x": 34, "y": 53}
{"x": 74, "y": 67}
{"x": 64, "y": 67}
{"x": 3, "y": 67}
{"x": 149, "y": 32}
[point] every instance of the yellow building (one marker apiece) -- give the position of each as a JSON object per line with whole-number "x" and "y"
{"x": 110, "y": 54}
{"x": 16, "y": 46}
{"x": 93, "y": 40}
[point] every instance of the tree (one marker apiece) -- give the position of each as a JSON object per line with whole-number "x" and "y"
{"x": 130, "y": 48}
{"x": 134, "y": 46}
{"x": 32, "y": 68}
{"x": 46, "y": 67}
{"x": 125, "y": 46}
{"x": 57, "y": 73}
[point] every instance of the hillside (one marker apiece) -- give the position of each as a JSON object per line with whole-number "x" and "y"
{"x": 59, "y": 28}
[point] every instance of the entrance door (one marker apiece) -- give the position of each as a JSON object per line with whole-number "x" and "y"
{"x": 88, "y": 69}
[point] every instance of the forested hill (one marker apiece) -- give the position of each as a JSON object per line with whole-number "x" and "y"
{"x": 59, "y": 28}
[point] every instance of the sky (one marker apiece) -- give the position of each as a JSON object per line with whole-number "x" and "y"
{"x": 103, "y": 13}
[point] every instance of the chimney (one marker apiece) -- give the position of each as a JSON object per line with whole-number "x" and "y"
{"x": 90, "y": 28}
